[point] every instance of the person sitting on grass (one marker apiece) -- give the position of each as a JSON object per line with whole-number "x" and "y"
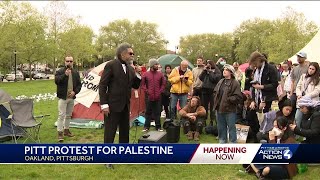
{"x": 280, "y": 134}
{"x": 193, "y": 116}
{"x": 310, "y": 124}
{"x": 266, "y": 119}
{"x": 247, "y": 116}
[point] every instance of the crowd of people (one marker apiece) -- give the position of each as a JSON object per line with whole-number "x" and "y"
{"x": 210, "y": 91}
{"x": 215, "y": 94}
{"x": 215, "y": 89}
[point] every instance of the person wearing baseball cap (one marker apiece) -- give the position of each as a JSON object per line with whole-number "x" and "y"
{"x": 296, "y": 73}
{"x": 302, "y": 54}
{"x": 227, "y": 95}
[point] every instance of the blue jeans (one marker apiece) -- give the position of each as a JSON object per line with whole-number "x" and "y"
{"x": 182, "y": 101}
{"x": 227, "y": 122}
{"x": 298, "y": 117}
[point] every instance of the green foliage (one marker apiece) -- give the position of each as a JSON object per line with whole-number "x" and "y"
{"x": 78, "y": 42}
{"x": 23, "y": 30}
{"x": 252, "y": 35}
{"x": 147, "y": 42}
{"x": 280, "y": 38}
{"x": 292, "y": 33}
{"x": 47, "y": 37}
{"x": 48, "y": 134}
{"x": 206, "y": 45}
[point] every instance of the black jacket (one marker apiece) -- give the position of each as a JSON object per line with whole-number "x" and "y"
{"x": 115, "y": 85}
{"x": 166, "y": 91}
{"x": 61, "y": 80}
{"x": 248, "y": 75}
{"x": 310, "y": 128}
{"x": 209, "y": 78}
{"x": 269, "y": 79}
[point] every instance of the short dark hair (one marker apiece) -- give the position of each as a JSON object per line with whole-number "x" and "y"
{"x": 68, "y": 55}
{"x": 200, "y": 57}
{"x": 282, "y": 122}
{"x": 121, "y": 48}
{"x": 265, "y": 55}
{"x": 167, "y": 65}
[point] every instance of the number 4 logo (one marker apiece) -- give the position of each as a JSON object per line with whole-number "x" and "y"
{"x": 287, "y": 154}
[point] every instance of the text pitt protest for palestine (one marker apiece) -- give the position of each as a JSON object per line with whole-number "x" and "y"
{"x": 90, "y": 150}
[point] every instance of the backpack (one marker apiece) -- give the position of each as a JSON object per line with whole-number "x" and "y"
{"x": 211, "y": 129}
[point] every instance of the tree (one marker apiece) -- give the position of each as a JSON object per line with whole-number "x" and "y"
{"x": 24, "y": 32}
{"x": 78, "y": 42}
{"x": 143, "y": 36}
{"x": 292, "y": 33}
{"x": 251, "y": 36}
{"x": 58, "y": 18}
{"x": 206, "y": 45}
{"x": 280, "y": 38}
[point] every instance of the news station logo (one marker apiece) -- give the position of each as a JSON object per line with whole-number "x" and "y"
{"x": 275, "y": 153}
{"x": 287, "y": 154}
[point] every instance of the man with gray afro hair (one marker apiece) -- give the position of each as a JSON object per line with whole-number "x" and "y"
{"x": 116, "y": 83}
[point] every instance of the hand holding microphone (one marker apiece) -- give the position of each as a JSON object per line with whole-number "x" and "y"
{"x": 68, "y": 70}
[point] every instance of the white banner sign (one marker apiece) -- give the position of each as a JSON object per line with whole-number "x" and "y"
{"x": 89, "y": 90}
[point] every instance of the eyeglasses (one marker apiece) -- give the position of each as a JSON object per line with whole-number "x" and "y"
{"x": 131, "y": 53}
{"x": 69, "y": 61}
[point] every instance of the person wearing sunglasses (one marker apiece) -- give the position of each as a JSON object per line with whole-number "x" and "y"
{"x": 68, "y": 84}
{"x": 117, "y": 80}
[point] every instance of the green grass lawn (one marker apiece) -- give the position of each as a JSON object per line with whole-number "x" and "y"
{"x": 48, "y": 134}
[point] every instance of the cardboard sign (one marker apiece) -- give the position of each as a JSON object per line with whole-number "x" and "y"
{"x": 242, "y": 133}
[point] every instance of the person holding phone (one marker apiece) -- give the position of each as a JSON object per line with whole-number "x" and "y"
{"x": 181, "y": 79}
{"x": 265, "y": 81}
{"x": 210, "y": 76}
{"x": 68, "y": 84}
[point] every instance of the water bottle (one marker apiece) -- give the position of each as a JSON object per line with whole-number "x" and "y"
{"x": 302, "y": 168}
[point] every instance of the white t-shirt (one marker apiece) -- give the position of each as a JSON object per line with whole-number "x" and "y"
{"x": 287, "y": 81}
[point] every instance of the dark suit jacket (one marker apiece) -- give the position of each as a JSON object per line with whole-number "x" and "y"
{"x": 115, "y": 86}
{"x": 269, "y": 79}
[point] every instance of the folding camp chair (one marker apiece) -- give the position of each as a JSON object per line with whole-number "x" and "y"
{"x": 23, "y": 119}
